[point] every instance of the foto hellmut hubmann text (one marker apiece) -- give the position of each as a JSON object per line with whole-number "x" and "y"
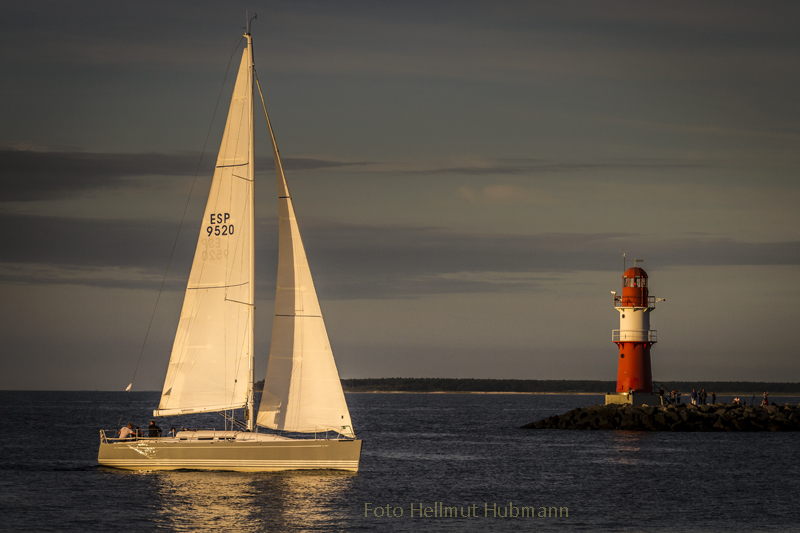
{"x": 487, "y": 510}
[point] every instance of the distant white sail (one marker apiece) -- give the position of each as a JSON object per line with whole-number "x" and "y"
{"x": 302, "y": 391}
{"x": 128, "y": 388}
{"x": 209, "y": 369}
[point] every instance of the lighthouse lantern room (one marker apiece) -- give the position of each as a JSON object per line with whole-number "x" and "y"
{"x": 634, "y": 339}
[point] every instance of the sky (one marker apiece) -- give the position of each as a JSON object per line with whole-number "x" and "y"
{"x": 466, "y": 176}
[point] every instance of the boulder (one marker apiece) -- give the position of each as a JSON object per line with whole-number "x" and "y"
{"x": 680, "y": 417}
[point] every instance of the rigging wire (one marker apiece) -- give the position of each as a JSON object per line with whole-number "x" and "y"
{"x": 180, "y": 226}
{"x": 269, "y": 124}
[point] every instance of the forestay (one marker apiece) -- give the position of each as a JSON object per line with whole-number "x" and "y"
{"x": 209, "y": 368}
{"x": 302, "y": 391}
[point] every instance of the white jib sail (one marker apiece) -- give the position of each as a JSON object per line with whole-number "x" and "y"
{"x": 209, "y": 369}
{"x": 302, "y": 391}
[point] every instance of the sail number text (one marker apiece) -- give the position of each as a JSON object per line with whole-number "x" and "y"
{"x": 219, "y": 224}
{"x": 213, "y": 249}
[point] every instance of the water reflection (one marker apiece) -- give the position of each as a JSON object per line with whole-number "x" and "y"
{"x": 233, "y": 501}
{"x": 629, "y": 441}
{"x": 625, "y": 448}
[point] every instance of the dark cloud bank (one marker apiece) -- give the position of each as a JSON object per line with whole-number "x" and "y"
{"x": 515, "y": 167}
{"x": 27, "y": 175}
{"x": 351, "y": 261}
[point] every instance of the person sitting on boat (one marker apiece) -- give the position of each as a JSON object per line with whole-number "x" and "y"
{"x": 153, "y": 430}
{"x": 127, "y": 432}
{"x": 172, "y": 432}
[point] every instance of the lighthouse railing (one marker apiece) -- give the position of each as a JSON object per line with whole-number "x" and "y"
{"x": 633, "y": 301}
{"x": 634, "y": 335}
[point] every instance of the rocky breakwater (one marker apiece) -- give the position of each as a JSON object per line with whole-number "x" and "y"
{"x": 681, "y": 417}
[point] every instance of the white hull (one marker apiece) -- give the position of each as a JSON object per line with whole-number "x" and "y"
{"x": 240, "y": 456}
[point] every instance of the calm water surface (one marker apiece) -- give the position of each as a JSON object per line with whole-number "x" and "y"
{"x": 462, "y": 450}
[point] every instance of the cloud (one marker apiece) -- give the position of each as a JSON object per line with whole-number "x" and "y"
{"x": 30, "y": 174}
{"x": 85, "y": 242}
{"x": 449, "y": 39}
{"x": 96, "y": 276}
{"x": 519, "y": 40}
{"x": 542, "y": 166}
{"x": 504, "y": 194}
{"x": 710, "y": 130}
{"x": 357, "y": 261}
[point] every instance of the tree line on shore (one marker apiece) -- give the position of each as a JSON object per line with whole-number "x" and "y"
{"x": 552, "y": 386}
{"x": 566, "y": 386}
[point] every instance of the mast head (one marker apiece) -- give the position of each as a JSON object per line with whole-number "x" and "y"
{"x": 248, "y": 20}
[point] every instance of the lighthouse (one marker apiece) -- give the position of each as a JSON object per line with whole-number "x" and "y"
{"x": 634, "y": 338}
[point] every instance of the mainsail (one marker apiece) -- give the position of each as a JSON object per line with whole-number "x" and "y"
{"x": 210, "y": 364}
{"x": 302, "y": 390}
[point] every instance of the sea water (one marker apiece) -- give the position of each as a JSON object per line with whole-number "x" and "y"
{"x": 430, "y": 462}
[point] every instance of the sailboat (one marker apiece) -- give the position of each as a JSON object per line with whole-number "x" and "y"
{"x": 212, "y": 359}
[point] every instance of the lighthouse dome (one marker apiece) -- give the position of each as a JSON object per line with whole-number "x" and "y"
{"x": 634, "y": 287}
{"x": 634, "y": 277}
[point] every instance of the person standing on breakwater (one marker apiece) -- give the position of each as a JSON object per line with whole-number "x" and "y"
{"x": 661, "y": 395}
{"x": 672, "y": 397}
{"x": 713, "y": 397}
{"x": 702, "y": 396}
{"x": 678, "y": 397}
{"x": 693, "y": 396}
{"x": 766, "y": 398}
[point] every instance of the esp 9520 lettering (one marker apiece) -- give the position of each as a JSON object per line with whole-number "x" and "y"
{"x": 219, "y": 224}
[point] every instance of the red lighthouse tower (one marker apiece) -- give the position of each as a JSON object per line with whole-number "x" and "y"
{"x": 634, "y": 339}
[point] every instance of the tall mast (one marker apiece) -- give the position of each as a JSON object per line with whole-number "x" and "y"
{"x": 251, "y": 178}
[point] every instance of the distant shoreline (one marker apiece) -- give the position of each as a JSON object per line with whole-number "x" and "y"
{"x": 532, "y": 386}
{"x": 564, "y": 393}
{"x": 773, "y": 391}
{"x": 745, "y": 389}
